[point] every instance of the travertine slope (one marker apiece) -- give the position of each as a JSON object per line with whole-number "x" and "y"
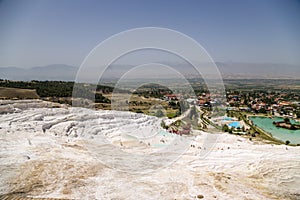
{"x": 60, "y": 152}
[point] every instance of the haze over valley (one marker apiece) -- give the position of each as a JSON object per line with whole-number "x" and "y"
{"x": 149, "y": 100}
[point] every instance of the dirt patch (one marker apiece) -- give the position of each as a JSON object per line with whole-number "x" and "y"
{"x": 10, "y": 93}
{"x": 60, "y": 175}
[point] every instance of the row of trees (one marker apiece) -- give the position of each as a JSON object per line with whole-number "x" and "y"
{"x": 43, "y": 88}
{"x": 61, "y": 89}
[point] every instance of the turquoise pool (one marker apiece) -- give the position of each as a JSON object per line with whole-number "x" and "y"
{"x": 283, "y": 134}
{"x": 165, "y": 133}
{"x": 235, "y": 124}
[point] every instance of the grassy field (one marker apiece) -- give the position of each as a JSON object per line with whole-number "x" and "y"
{"x": 11, "y": 93}
{"x": 140, "y": 104}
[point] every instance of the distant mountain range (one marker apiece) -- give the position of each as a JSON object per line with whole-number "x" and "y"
{"x": 49, "y": 72}
{"x": 228, "y": 70}
{"x": 259, "y": 70}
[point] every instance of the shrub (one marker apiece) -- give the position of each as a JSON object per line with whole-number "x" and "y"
{"x": 159, "y": 113}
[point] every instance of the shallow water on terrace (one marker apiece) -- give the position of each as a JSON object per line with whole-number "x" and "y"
{"x": 283, "y": 134}
{"x": 159, "y": 135}
{"x": 165, "y": 134}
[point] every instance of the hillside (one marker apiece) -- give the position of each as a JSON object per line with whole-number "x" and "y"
{"x": 10, "y": 93}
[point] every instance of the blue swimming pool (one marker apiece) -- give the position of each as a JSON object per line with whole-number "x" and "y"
{"x": 235, "y": 124}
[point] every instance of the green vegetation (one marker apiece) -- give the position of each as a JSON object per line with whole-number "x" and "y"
{"x": 193, "y": 113}
{"x": 99, "y": 98}
{"x": 152, "y": 90}
{"x": 43, "y": 88}
{"x": 159, "y": 113}
{"x": 225, "y": 128}
{"x": 172, "y": 115}
{"x": 60, "y": 89}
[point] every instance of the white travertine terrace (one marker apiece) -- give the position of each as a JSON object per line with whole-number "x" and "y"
{"x": 45, "y": 152}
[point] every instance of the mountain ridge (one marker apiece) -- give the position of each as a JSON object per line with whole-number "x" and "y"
{"x": 230, "y": 70}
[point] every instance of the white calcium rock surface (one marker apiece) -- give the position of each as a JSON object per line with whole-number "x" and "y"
{"x": 53, "y": 151}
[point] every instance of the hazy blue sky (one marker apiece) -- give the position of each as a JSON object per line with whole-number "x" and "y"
{"x": 43, "y": 32}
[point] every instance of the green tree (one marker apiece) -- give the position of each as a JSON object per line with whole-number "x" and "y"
{"x": 193, "y": 113}
{"x": 287, "y": 120}
{"x": 225, "y": 128}
{"x": 159, "y": 113}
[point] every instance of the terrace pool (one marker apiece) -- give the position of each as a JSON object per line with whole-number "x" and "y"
{"x": 282, "y": 134}
{"x": 164, "y": 134}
